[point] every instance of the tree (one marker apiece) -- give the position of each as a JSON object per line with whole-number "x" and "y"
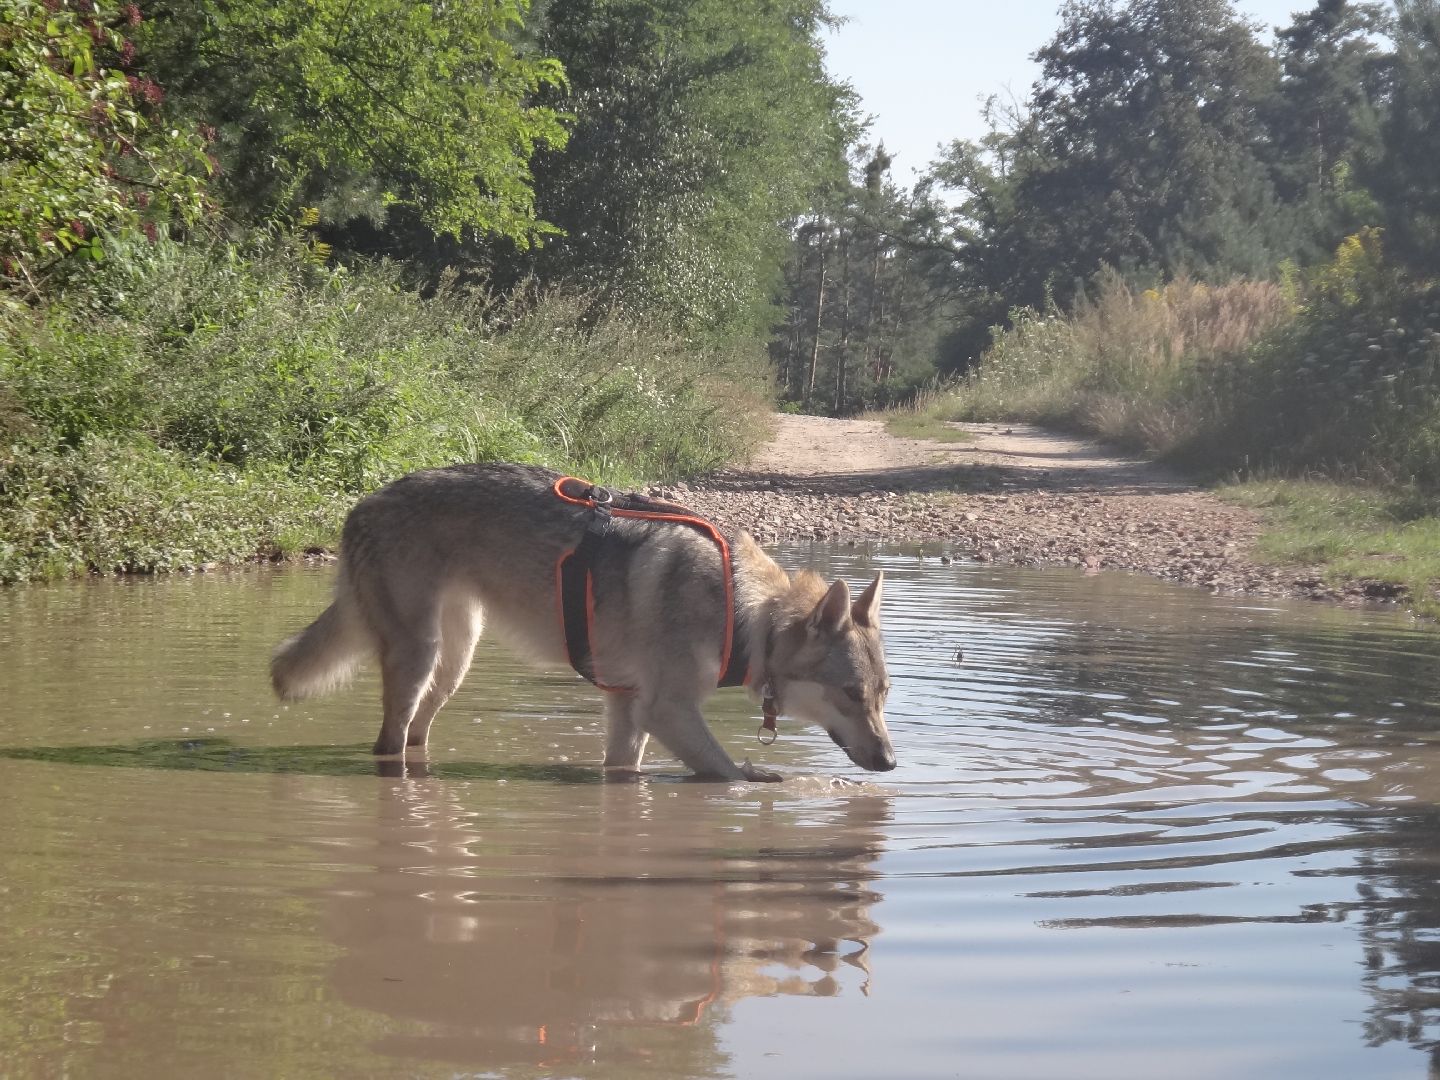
{"x": 868, "y": 300}
{"x": 701, "y": 128}
{"x": 1148, "y": 134}
{"x": 1333, "y": 76}
{"x": 358, "y": 106}
{"x": 1405, "y": 176}
{"x": 80, "y": 153}
{"x": 1324, "y": 120}
{"x": 978, "y": 242}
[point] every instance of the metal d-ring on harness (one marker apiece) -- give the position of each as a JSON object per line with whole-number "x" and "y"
{"x": 770, "y": 711}
{"x": 575, "y": 585}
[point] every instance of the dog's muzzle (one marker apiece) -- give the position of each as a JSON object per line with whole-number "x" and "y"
{"x": 876, "y": 758}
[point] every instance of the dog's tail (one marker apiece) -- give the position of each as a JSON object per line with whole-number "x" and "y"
{"x": 323, "y": 656}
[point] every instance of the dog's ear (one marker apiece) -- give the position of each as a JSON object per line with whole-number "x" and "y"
{"x": 866, "y": 609}
{"x": 832, "y": 613}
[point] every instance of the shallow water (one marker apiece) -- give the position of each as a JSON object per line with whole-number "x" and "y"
{"x": 1138, "y": 831}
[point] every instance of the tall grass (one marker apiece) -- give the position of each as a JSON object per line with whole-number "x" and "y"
{"x": 1337, "y": 373}
{"x": 918, "y": 418}
{"x": 1134, "y": 367}
{"x": 1350, "y": 388}
{"x": 1388, "y": 536}
{"x": 195, "y": 404}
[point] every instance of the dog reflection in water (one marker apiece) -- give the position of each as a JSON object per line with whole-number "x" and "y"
{"x": 584, "y": 926}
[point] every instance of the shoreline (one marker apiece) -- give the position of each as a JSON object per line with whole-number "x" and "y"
{"x": 1013, "y": 494}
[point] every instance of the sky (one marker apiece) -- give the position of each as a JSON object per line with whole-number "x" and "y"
{"x": 921, "y": 67}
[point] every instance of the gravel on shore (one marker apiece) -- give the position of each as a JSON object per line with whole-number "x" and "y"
{"x": 990, "y": 503}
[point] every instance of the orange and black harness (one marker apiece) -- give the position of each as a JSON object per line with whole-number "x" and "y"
{"x": 575, "y": 585}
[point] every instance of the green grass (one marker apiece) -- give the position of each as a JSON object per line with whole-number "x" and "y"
{"x": 907, "y": 424}
{"x": 1353, "y": 533}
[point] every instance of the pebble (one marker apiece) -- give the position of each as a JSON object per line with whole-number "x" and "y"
{"x": 1009, "y": 517}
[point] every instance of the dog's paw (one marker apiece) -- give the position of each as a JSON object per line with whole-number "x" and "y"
{"x": 758, "y": 774}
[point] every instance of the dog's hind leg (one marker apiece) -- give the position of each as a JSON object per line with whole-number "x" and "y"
{"x": 625, "y": 739}
{"x": 460, "y": 627}
{"x": 407, "y": 670}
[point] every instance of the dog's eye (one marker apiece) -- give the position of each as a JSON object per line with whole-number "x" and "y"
{"x": 855, "y": 693}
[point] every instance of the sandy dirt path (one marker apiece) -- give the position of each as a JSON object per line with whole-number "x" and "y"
{"x": 1013, "y": 494}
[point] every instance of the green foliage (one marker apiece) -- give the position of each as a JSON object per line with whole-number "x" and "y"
{"x": 1325, "y": 113}
{"x": 1351, "y": 386}
{"x": 1404, "y": 175}
{"x": 362, "y": 104}
{"x": 1163, "y": 140}
{"x": 199, "y": 403}
{"x": 622, "y": 398}
{"x": 1142, "y": 148}
{"x": 1239, "y": 377}
{"x": 110, "y": 504}
{"x": 80, "y": 150}
{"x": 867, "y": 304}
{"x": 701, "y": 127}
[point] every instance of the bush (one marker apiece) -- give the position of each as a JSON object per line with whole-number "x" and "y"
{"x": 1350, "y": 387}
{"x": 205, "y": 403}
{"x": 1336, "y": 371}
{"x": 114, "y": 505}
{"x": 82, "y": 150}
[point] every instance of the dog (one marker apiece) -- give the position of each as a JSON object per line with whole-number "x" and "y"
{"x": 433, "y": 558}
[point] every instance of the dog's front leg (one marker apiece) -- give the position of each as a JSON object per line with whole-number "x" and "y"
{"x": 758, "y": 774}
{"x": 681, "y": 727}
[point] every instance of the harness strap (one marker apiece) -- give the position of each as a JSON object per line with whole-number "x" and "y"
{"x": 576, "y": 591}
{"x": 575, "y": 585}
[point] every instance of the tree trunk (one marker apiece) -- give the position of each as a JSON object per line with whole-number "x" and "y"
{"x": 842, "y": 359}
{"x": 792, "y": 351}
{"x": 819, "y": 315}
{"x": 877, "y": 304}
{"x": 887, "y": 367}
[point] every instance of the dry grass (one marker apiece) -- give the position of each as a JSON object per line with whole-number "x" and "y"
{"x": 1139, "y": 368}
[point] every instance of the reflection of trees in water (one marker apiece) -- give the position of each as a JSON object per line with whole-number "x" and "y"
{"x": 1399, "y": 918}
{"x": 605, "y": 926}
{"x": 1332, "y": 681}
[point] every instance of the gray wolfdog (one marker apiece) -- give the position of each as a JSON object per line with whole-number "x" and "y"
{"x": 429, "y": 560}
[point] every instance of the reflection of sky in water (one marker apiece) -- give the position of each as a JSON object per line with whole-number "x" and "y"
{"x": 1136, "y": 831}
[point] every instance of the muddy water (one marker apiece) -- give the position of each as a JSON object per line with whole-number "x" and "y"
{"x": 1137, "y": 831}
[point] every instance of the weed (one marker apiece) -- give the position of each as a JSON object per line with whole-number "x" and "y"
{"x": 1336, "y": 374}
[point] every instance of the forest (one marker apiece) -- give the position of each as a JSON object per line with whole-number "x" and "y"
{"x": 257, "y": 256}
